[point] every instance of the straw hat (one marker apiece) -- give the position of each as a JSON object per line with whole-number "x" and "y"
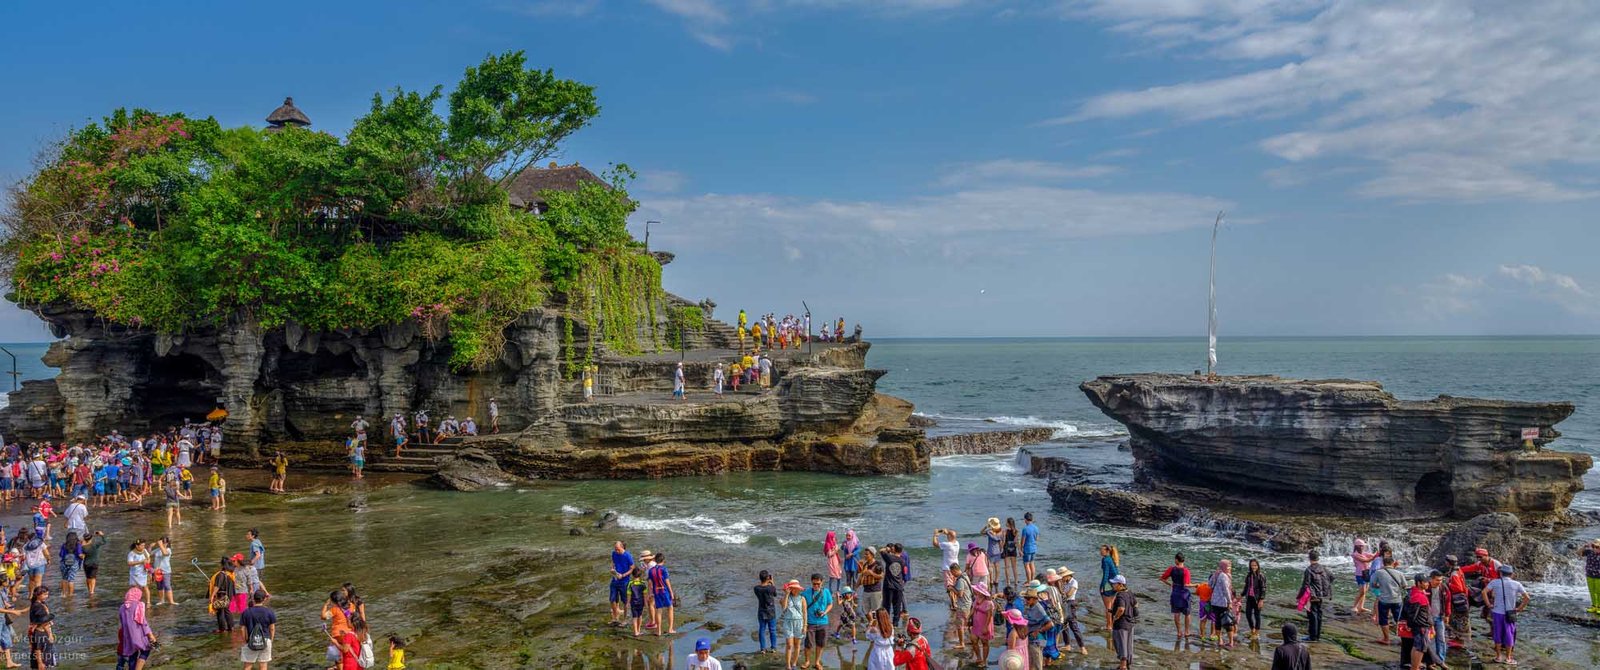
{"x": 1050, "y": 576}
{"x": 1064, "y": 572}
{"x": 646, "y": 554}
{"x": 994, "y": 523}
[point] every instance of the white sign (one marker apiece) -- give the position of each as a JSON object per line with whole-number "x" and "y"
{"x": 1530, "y": 433}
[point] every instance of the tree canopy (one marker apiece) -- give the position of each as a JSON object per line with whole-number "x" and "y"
{"x": 172, "y": 222}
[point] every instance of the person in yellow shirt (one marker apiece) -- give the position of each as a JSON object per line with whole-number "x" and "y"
{"x": 280, "y": 472}
{"x": 216, "y": 488}
{"x": 755, "y": 331}
{"x": 397, "y": 653}
{"x": 733, "y": 376}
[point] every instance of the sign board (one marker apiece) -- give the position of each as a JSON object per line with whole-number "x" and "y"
{"x": 1530, "y": 433}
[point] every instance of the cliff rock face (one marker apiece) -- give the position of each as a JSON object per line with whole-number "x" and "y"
{"x": 1339, "y": 445}
{"x": 291, "y": 385}
{"x": 987, "y": 442}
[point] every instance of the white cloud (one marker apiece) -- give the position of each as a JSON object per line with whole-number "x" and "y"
{"x": 1007, "y": 170}
{"x": 662, "y": 181}
{"x": 1449, "y": 100}
{"x": 1457, "y": 294}
{"x": 980, "y": 220}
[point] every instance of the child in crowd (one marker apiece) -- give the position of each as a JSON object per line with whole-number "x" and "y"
{"x": 397, "y": 653}
{"x": 849, "y": 614}
{"x": 637, "y": 592}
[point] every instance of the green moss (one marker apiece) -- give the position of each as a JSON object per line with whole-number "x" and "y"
{"x": 683, "y": 320}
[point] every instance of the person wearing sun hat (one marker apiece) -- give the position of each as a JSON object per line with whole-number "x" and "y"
{"x": 996, "y": 550}
{"x": 1038, "y": 622}
{"x": 1067, "y": 586}
{"x": 792, "y": 622}
{"x": 978, "y": 567}
{"x": 1016, "y": 637}
{"x": 981, "y": 623}
{"x": 1591, "y": 573}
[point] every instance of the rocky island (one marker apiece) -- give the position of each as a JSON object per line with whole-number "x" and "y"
{"x": 293, "y": 281}
{"x": 1339, "y": 446}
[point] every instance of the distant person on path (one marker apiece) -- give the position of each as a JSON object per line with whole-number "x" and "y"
{"x": 1124, "y": 614}
{"x": 1030, "y": 545}
{"x": 1110, "y": 569}
{"x": 134, "y": 636}
{"x": 280, "y": 473}
{"x": 494, "y": 409}
{"x": 588, "y": 386}
{"x": 677, "y": 383}
{"x": 718, "y": 378}
{"x": 358, "y": 457}
{"x": 1507, "y": 598}
{"x": 1591, "y": 573}
{"x": 360, "y": 426}
{"x": 766, "y": 372}
{"x": 1178, "y": 579}
{"x": 1317, "y": 586}
{"x": 1292, "y": 654}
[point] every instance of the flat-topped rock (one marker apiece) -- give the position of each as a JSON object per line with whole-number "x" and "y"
{"x": 1341, "y": 445}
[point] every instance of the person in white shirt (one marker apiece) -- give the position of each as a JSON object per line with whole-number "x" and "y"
{"x": 1507, "y": 598}
{"x": 494, "y": 416}
{"x": 77, "y": 516}
{"x": 944, "y": 539}
{"x": 701, "y": 659}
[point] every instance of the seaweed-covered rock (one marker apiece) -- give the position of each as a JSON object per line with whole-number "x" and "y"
{"x": 470, "y": 469}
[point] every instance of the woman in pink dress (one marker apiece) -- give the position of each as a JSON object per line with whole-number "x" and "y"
{"x": 982, "y": 621}
{"x": 830, "y": 549}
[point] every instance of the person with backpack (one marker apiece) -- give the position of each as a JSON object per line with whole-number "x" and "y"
{"x": 1316, "y": 586}
{"x": 222, "y": 588}
{"x": 1460, "y": 619}
{"x": 665, "y": 598}
{"x": 1415, "y": 625}
{"x": 260, "y": 625}
{"x": 1221, "y": 604}
{"x": 1292, "y": 654}
{"x": 1391, "y": 586}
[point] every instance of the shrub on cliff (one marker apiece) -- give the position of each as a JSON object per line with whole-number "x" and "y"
{"x": 172, "y": 223}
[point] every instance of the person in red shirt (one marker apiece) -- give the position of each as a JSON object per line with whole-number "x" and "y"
{"x": 1460, "y": 607}
{"x": 920, "y": 652}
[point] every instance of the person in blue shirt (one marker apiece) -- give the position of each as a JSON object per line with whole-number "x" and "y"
{"x": 819, "y": 602}
{"x": 1030, "y": 544}
{"x": 621, "y": 570}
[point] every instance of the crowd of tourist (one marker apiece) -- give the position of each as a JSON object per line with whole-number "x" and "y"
{"x": 999, "y": 601}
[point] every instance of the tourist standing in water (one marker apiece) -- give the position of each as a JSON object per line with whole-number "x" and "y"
{"x": 1124, "y": 613}
{"x": 881, "y": 635}
{"x": 1010, "y": 551}
{"x": 981, "y": 622}
{"x": 792, "y": 624}
{"x": 1110, "y": 569}
{"x": 830, "y": 554}
{"x": 766, "y": 613}
{"x": 138, "y": 560}
{"x": 161, "y": 564}
{"x": 134, "y": 636}
{"x": 1030, "y": 545}
{"x": 260, "y": 626}
{"x": 1177, "y": 578}
{"x": 995, "y": 551}
{"x": 1222, "y": 600}
{"x": 1316, "y": 585}
{"x": 1292, "y": 654}
{"x": 621, "y": 569}
{"x": 91, "y": 559}
{"x": 665, "y": 597}
{"x": 41, "y": 631}
{"x": 1591, "y": 573}
{"x": 219, "y": 596}
{"x": 1255, "y": 593}
{"x": 1507, "y": 598}
{"x": 1362, "y": 561}
{"x": 71, "y": 555}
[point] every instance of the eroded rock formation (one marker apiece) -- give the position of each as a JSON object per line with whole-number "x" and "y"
{"x": 296, "y": 388}
{"x": 1339, "y": 445}
{"x": 987, "y": 442}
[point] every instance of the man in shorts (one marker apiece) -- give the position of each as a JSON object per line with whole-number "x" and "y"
{"x": 819, "y": 602}
{"x": 1030, "y": 544}
{"x": 664, "y": 598}
{"x": 260, "y": 625}
{"x": 621, "y": 570}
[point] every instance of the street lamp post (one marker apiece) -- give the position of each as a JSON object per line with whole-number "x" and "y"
{"x": 647, "y": 235}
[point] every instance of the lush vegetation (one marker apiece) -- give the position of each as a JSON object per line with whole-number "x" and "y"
{"x": 174, "y": 223}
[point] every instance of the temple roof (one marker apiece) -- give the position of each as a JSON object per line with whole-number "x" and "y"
{"x": 526, "y": 186}
{"x": 288, "y": 114}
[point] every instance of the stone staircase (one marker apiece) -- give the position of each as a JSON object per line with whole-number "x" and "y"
{"x": 416, "y": 458}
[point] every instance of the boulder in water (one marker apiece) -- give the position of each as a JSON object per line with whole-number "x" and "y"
{"x": 1500, "y": 533}
{"x": 470, "y": 469}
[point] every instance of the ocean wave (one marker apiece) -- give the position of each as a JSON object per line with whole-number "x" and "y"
{"x": 569, "y": 509}
{"x": 993, "y": 462}
{"x": 698, "y": 525}
{"x": 1062, "y": 427}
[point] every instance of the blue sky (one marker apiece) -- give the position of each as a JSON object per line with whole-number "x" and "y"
{"x": 977, "y": 167}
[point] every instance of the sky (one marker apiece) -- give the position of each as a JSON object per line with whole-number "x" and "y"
{"x": 975, "y": 167}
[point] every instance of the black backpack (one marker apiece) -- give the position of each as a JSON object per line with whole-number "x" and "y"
{"x": 257, "y": 638}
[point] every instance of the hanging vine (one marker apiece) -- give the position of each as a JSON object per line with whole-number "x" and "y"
{"x": 616, "y": 295}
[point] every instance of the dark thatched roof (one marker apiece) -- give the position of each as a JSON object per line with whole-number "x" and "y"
{"x": 287, "y": 114}
{"x": 527, "y": 185}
